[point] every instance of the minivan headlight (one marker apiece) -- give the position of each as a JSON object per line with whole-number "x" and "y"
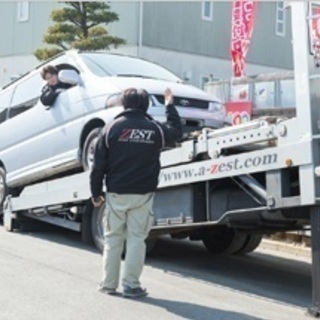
{"x": 216, "y": 107}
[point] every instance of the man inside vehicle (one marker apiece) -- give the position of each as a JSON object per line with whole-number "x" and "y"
{"x": 53, "y": 87}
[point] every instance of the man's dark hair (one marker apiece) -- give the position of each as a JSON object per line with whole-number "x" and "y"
{"x": 135, "y": 99}
{"x": 48, "y": 69}
{"x": 144, "y": 101}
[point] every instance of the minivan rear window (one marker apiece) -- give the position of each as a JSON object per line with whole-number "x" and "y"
{"x": 26, "y": 95}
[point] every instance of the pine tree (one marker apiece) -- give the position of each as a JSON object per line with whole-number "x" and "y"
{"x": 79, "y": 25}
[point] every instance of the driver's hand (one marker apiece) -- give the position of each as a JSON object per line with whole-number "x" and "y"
{"x": 168, "y": 97}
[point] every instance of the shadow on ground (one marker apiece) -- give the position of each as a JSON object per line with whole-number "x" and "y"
{"x": 276, "y": 278}
{"x": 285, "y": 280}
{"x": 194, "y": 311}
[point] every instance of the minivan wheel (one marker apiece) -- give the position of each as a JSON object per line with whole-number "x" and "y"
{"x": 3, "y": 189}
{"x": 88, "y": 148}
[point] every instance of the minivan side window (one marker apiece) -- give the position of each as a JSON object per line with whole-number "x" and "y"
{"x": 26, "y": 95}
{"x": 5, "y": 99}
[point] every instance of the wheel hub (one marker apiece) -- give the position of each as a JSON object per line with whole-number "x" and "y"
{"x": 1, "y": 188}
{"x": 90, "y": 154}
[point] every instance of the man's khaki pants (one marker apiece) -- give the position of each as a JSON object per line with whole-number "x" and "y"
{"x": 128, "y": 217}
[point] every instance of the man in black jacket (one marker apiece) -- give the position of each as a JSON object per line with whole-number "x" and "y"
{"x": 127, "y": 156}
{"x": 53, "y": 87}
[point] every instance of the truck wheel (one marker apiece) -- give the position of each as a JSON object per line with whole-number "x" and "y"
{"x": 97, "y": 227}
{"x": 224, "y": 240}
{"x": 150, "y": 244}
{"x": 88, "y": 149}
{"x": 3, "y": 189}
{"x": 97, "y": 232}
{"x": 86, "y": 230}
{"x": 252, "y": 242}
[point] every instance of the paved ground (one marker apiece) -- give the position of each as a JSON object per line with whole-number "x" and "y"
{"x": 53, "y": 275}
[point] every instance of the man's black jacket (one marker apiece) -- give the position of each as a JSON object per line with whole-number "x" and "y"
{"x": 50, "y": 93}
{"x": 127, "y": 153}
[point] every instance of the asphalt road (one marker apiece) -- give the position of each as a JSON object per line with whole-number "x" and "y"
{"x": 53, "y": 275}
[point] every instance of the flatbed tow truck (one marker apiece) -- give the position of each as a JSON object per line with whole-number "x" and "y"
{"x": 226, "y": 187}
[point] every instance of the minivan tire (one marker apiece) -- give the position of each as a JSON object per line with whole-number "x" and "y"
{"x": 3, "y": 189}
{"x": 88, "y": 148}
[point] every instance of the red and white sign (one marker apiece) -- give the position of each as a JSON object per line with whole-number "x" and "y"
{"x": 239, "y": 112}
{"x": 243, "y": 15}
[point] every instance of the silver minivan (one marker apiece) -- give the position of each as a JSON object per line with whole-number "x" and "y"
{"x": 38, "y": 143}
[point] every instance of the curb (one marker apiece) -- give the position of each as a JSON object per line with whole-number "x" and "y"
{"x": 298, "y": 250}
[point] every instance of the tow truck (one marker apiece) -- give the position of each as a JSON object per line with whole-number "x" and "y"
{"x": 226, "y": 187}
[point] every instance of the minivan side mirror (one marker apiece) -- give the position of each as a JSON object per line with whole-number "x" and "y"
{"x": 69, "y": 77}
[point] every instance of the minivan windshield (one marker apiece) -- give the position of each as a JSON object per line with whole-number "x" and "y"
{"x": 105, "y": 65}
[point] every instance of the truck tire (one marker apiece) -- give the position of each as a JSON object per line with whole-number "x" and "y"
{"x": 97, "y": 232}
{"x": 88, "y": 148}
{"x": 97, "y": 227}
{"x": 86, "y": 230}
{"x": 224, "y": 240}
{"x": 150, "y": 244}
{"x": 252, "y": 242}
{"x": 3, "y": 189}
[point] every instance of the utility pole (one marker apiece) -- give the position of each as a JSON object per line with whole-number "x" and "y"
{"x": 140, "y": 29}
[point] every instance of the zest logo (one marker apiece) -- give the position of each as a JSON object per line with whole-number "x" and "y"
{"x": 137, "y": 135}
{"x": 236, "y": 164}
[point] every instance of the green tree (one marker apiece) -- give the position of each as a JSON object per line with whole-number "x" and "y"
{"x": 79, "y": 25}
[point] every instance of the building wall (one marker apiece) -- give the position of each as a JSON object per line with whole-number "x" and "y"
{"x": 18, "y": 40}
{"x": 128, "y": 25}
{"x": 173, "y": 34}
{"x": 179, "y": 26}
{"x": 195, "y": 67}
{"x": 266, "y": 47}
{"x": 21, "y": 38}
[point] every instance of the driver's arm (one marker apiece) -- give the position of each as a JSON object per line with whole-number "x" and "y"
{"x": 48, "y": 96}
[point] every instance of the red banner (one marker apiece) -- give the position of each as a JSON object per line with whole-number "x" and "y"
{"x": 316, "y": 21}
{"x": 243, "y": 15}
{"x": 315, "y": 33}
